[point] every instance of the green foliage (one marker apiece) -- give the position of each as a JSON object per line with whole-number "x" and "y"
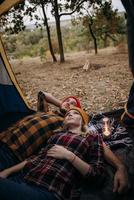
{"x": 75, "y": 38}
{"x": 106, "y": 23}
{"x": 42, "y": 53}
{"x": 110, "y": 25}
{"x": 12, "y": 22}
{"x": 10, "y": 43}
{"x": 26, "y": 44}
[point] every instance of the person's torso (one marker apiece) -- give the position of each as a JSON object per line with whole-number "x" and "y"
{"x": 59, "y": 175}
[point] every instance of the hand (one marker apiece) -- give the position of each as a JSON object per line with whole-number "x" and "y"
{"x": 59, "y": 152}
{"x": 4, "y": 174}
{"x": 66, "y": 108}
{"x": 120, "y": 180}
{"x": 90, "y": 130}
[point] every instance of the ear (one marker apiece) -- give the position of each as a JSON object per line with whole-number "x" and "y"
{"x": 83, "y": 127}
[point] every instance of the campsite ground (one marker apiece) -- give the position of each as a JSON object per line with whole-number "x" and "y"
{"x": 103, "y": 87}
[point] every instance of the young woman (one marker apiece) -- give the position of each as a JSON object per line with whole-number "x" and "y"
{"x": 59, "y": 168}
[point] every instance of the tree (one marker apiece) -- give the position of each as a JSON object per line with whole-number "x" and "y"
{"x": 88, "y": 19}
{"x": 58, "y": 28}
{"x": 28, "y": 9}
{"x": 69, "y": 6}
{"x": 107, "y": 22}
{"x": 103, "y": 23}
{"x": 59, "y": 9}
{"x": 31, "y": 10}
{"x": 57, "y": 12}
{"x": 12, "y": 21}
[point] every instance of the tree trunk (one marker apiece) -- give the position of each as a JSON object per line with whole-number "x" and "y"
{"x": 58, "y": 28}
{"x": 94, "y": 38}
{"x": 48, "y": 35}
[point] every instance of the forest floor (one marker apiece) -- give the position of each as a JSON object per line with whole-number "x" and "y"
{"x": 104, "y": 86}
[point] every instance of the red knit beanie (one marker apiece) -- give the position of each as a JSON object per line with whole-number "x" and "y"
{"x": 75, "y": 98}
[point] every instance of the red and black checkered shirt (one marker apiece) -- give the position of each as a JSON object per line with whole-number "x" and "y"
{"x": 60, "y": 176}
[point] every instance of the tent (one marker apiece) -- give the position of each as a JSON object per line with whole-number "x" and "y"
{"x": 5, "y": 5}
{"x": 13, "y": 104}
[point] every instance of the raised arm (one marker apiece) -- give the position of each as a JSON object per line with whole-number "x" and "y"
{"x": 16, "y": 168}
{"x": 51, "y": 99}
{"x": 44, "y": 98}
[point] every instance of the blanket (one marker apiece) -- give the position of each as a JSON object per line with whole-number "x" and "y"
{"x": 119, "y": 137}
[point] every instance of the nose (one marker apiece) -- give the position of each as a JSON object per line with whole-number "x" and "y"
{"x": 69, "y": 114}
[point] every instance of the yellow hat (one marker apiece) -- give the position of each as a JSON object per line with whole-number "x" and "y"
{"x": 83, "y": 114}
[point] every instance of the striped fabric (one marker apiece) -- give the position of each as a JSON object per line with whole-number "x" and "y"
{"x": 27, "y": 136}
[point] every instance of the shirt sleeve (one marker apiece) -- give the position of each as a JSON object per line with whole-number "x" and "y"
{"x": 95, "y": 156}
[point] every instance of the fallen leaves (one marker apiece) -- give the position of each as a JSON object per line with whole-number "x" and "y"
{"x": 102, "y": 86}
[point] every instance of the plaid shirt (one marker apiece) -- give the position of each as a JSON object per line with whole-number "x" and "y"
{"x": 58, "y": 175}
{"x": 28, "y": 135}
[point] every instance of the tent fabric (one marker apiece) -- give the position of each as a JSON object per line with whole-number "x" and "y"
{"x": 8, "y": 77}
{"x": 12, "y": 99}
{"x": 13, "y": 105}
{"x": 5, "y": 5}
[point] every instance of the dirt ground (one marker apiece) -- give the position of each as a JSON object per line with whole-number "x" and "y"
{"x": 104, "y": 86}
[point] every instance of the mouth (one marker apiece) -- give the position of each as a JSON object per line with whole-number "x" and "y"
{"x": 70, "y": 118}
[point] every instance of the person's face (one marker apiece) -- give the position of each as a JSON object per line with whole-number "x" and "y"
{"x": 73, "y": 118}
{"x": 68, "y": 103}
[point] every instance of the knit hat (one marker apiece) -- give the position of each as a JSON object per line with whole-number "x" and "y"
{"x": 83, "y": 114}
{"x": 75, "y": 98}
